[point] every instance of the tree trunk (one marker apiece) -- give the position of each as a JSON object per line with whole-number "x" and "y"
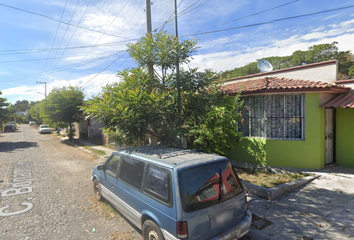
{"x": 70, "y": 132}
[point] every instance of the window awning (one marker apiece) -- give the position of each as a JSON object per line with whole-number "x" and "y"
{"x": 344, "y": 100}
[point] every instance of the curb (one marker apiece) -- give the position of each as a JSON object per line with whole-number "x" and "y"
{"x": 100, "y": 159}
{"x": 278, "y": 191}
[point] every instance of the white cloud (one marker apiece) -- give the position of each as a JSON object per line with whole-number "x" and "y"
{"x": 227, "y": 60}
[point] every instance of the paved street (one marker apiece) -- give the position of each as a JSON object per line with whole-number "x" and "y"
{"x": 46, "y": 192}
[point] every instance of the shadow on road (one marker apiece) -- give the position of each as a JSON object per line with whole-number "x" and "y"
{"x": 10, "y": 146}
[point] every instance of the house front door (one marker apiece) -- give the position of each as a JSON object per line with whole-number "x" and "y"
{"x": 329, "y": 136}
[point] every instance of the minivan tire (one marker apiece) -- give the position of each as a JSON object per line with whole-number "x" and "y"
{"x": 97, "y": 190}
{"x": 151, "y": 231}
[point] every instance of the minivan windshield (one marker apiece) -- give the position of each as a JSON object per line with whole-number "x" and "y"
{"x": 206, "y": 185}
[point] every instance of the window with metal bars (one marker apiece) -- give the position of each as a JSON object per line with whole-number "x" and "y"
{"x": 273, "y": 116}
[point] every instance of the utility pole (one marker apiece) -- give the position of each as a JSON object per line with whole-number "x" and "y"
{"x": 149, "y": 34}
{"x": 177, "y": 74}
{"x": 148, "y": 16}
{"x": 45, "y": 88}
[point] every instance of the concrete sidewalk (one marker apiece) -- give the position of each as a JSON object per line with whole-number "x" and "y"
{"x": 79, "y": 142}
{"x": 323, "y": 209}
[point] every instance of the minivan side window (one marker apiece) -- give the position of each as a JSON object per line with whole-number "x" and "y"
{"x": 157, "y": 183}
{"x": 112, "y": 165}
{"x": 131, "y": 172}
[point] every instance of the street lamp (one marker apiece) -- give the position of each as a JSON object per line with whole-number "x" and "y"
{"x": 45, "y": 87}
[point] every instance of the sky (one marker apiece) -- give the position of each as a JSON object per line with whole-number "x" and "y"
{"x": 54, "y": 43}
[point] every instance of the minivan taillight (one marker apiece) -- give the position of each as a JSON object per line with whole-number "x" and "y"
{"x": 182, "y": 230}
{"x": 246, "y": 203}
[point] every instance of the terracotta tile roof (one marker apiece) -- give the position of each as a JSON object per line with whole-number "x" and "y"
{"x": 275, "y": 84}
{"x": 344, "y": 100}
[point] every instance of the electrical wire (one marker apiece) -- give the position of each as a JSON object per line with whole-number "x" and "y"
{"x": 251, "y": 15}
{"x": 50, "y": 18}
{"x": 41, "y": 59}
{"x": 269, "y": 22}
{"x": 58, "y": 69}
{"x": 55, "y": 37}
{"x": 38, "y": 50}
{"x": 104, "y": 32}
{"x": 82, "y": 16}
{"x": 66, "y": 30}
{"x": 170, "y": 18}
{"x": 104, "y": 69}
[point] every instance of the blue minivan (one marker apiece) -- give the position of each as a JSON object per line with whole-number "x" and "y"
{"x": 172, "y": 193}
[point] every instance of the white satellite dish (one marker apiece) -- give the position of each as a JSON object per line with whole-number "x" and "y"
{"x": 264, "y": 66}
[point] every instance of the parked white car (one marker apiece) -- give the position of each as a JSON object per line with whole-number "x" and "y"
{"x": 44, "y": 129}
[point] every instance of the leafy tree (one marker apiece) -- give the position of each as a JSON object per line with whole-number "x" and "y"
{"x": 315, "y": 53}
{"x": 62, "y": 105}
{"x": 144, "y": 103}
{"x": 4, "y": 113}
{"x": 322, "y": 52}
{"x": 20, "y": 106}
{"x": 351, "y": 71}
{"x": 36, "y": 112}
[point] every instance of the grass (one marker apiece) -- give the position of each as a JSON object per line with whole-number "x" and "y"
{"x": 98, "y": 152}
{"x": 264, "y": 178}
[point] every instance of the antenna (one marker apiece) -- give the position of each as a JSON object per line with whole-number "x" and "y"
{"x": 264, "y": 66}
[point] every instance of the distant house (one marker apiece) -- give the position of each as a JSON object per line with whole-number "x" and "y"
{"x": 22, "y": 113}
{"x": 92, "y": 129}
{"x": 296, "y": 117}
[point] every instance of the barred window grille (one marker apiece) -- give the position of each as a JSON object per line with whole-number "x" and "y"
{"x": 273, "y": 116}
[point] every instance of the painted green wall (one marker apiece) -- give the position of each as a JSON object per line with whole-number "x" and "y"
{"x": 345, "y": 136}
{"x": 308, "y": 153}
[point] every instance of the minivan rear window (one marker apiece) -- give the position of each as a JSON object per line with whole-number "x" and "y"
{"x": 206, "y": 185}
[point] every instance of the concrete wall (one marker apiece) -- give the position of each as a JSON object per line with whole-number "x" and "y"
{"x": 308, "y": 153}
{"x": 345, "y": 136}
{"x": 323, "y": 71}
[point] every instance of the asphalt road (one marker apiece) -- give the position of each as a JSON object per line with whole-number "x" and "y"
{"x": 46, "y": 191}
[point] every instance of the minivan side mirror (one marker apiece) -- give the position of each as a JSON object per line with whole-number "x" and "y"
{"x": 100, "y": 167}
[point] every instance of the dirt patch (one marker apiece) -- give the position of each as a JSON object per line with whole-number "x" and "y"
{"x": 266, "y": 178}
{"x": 259, "y": 222}
{"x": 103, "y": 207}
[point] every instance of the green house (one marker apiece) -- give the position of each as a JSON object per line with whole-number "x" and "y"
{"x": 299, "y": 117}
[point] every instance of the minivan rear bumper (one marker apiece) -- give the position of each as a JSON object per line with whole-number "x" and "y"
{"x": 237, "y": 231}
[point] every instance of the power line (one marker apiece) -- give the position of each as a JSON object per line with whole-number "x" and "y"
{"x": 55, "y": 37}
{"x": 41, "y": 59}
{"x": 66, "y": 30}
{"x": 104, "y": 69}
{"x": 269, "y": 22}
{"x": 50, "y": 18}
{"x": 25, "y": 51}
{"x": 82, "y": 16}
{"x": 57, "y": 70}
{"x": 105, "y": 30}
{"x": 170, "y": 18}
{"x": 251, "y": 15}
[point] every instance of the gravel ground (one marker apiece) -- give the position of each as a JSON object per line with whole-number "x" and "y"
{"x": 46, "y": 191}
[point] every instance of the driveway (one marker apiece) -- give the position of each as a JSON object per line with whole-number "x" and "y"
{"x": 323, "y": 209}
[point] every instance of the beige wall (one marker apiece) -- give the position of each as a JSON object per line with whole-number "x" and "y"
{"x": 324, "y": 72}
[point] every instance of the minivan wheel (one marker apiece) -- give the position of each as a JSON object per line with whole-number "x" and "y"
{"x": 151, "y": 231}
{"x": 97, "y": 190}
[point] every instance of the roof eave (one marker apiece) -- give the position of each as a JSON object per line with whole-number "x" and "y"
{"x": 295, "y": 90}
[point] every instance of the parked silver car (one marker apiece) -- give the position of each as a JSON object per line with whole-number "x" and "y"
{"x": 44, "y": 129}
